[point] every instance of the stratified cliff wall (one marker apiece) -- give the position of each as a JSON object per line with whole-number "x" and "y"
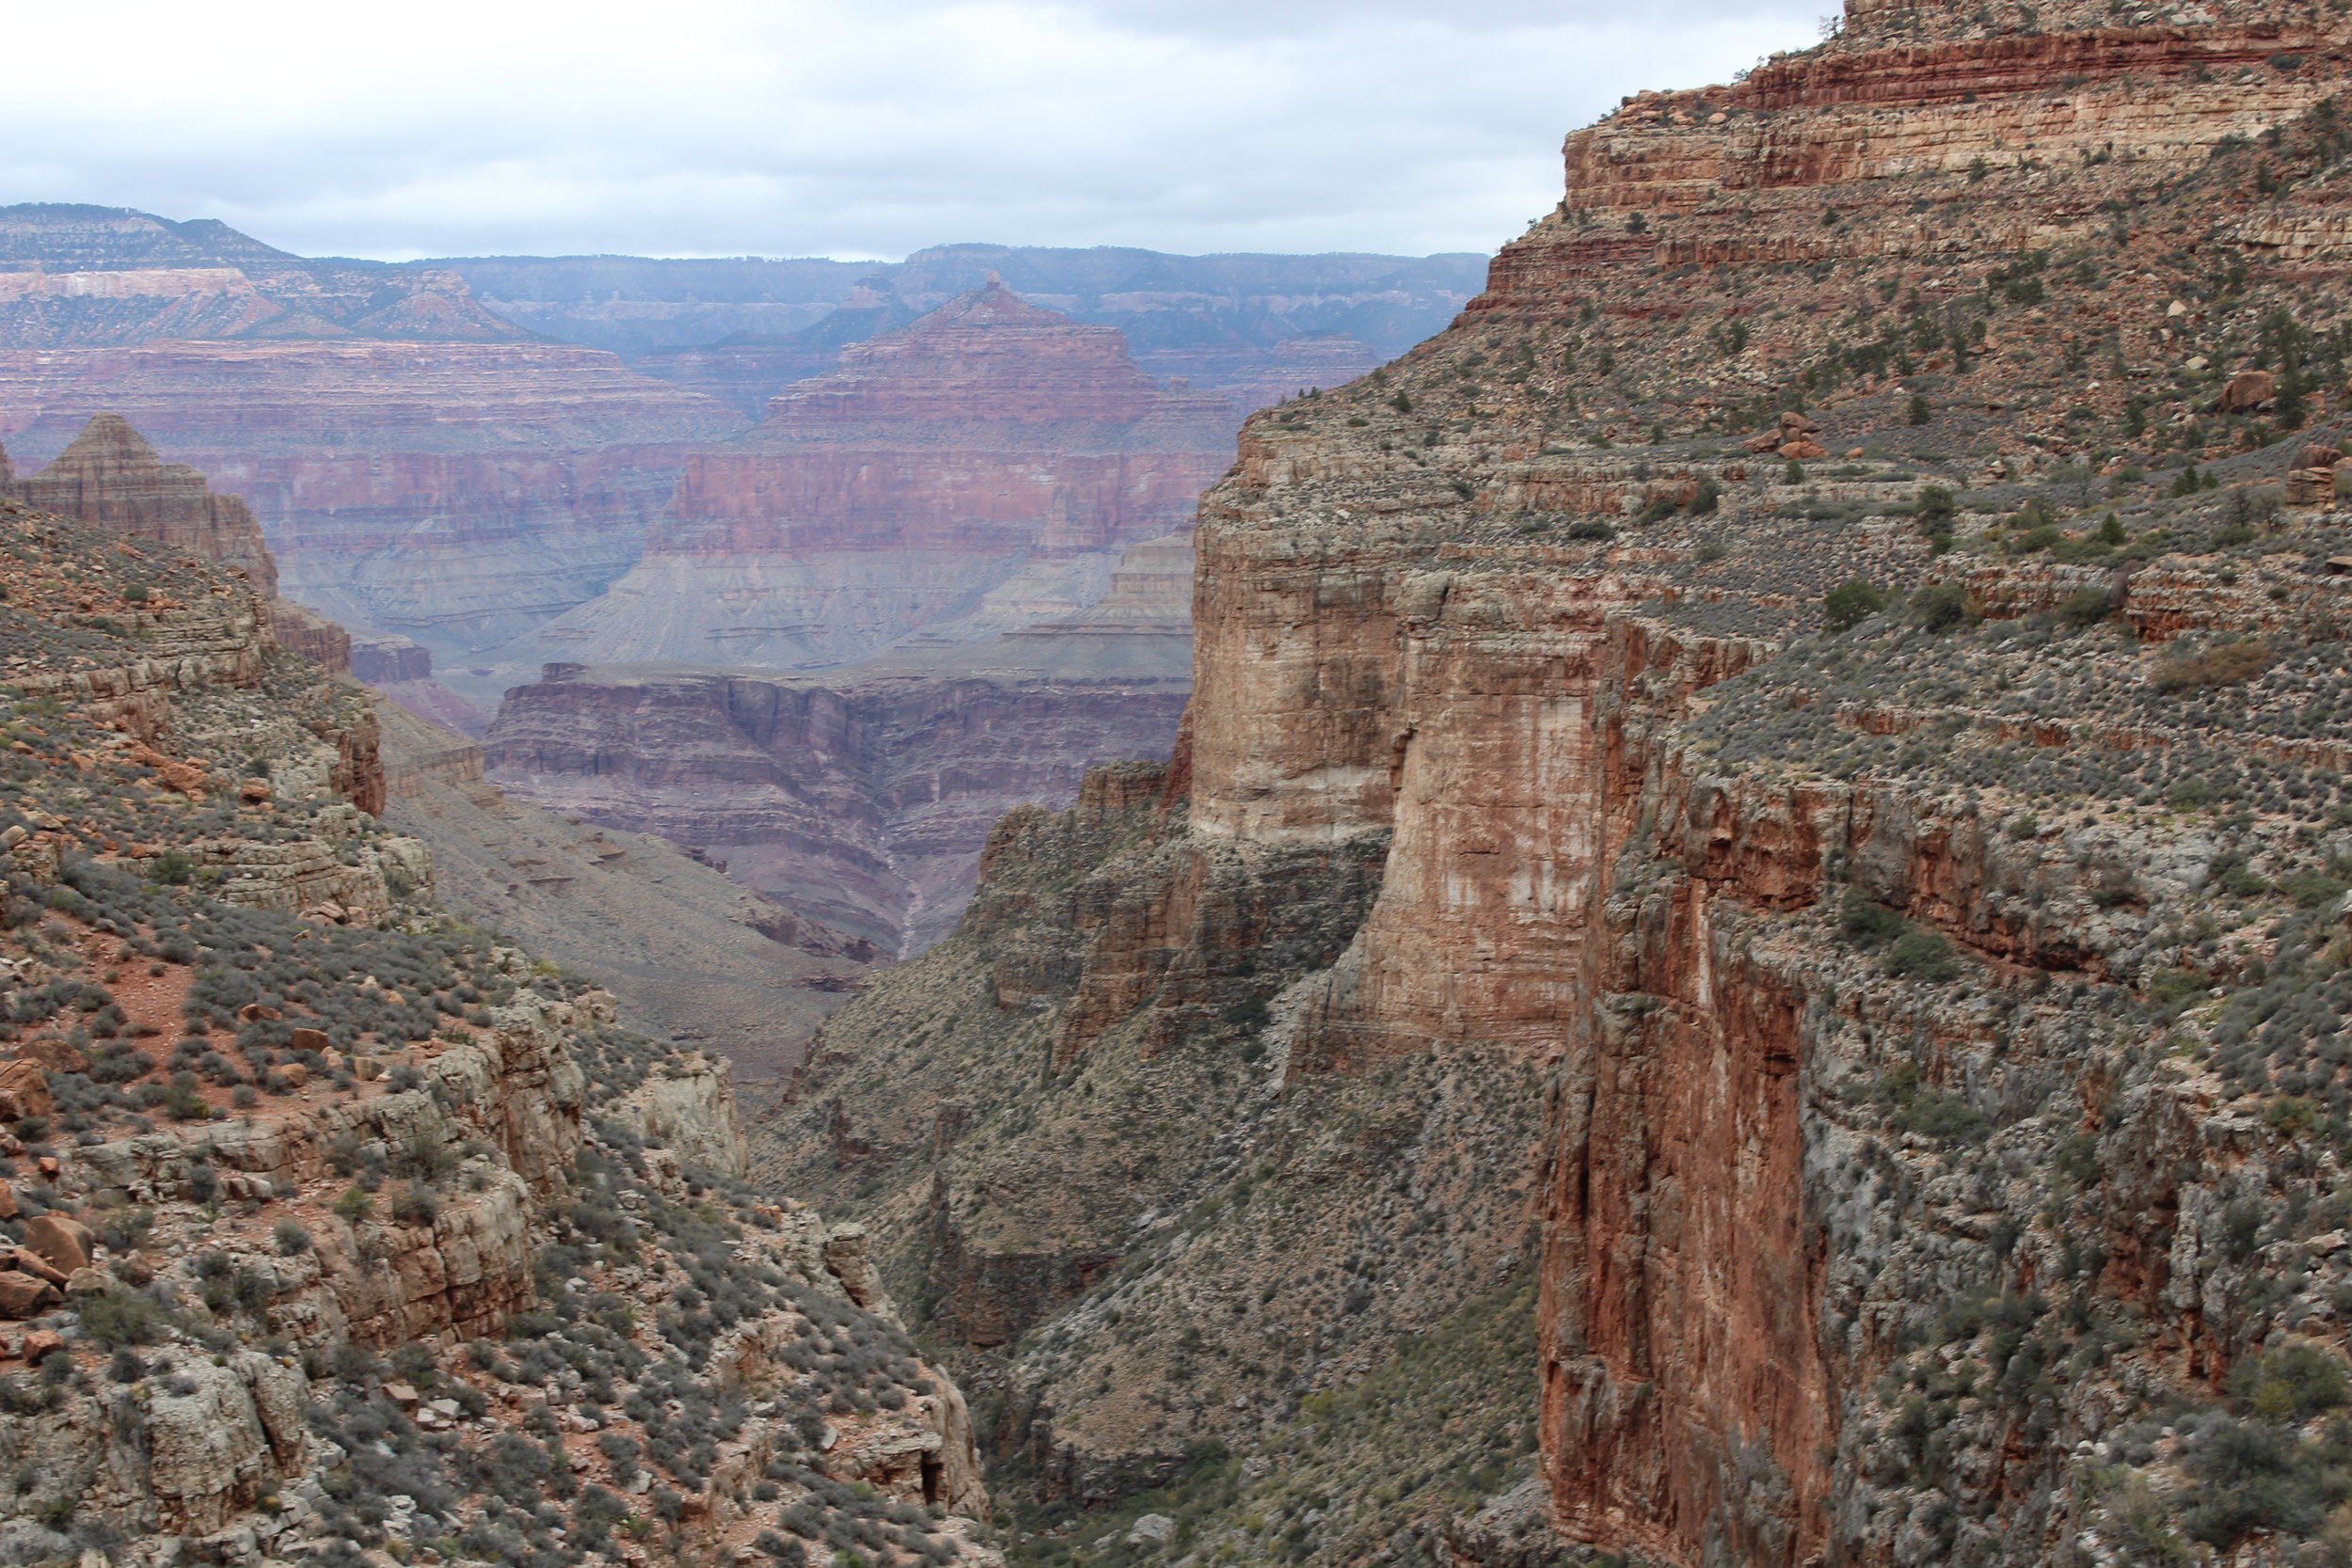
{"x": 974, "y": 471}
{"x": 1815, "y": 704}
{"x": 421, "y": 464}
{"x": 862, "y": 797}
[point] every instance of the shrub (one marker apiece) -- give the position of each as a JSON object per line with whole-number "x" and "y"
{"x": 354, "y": 1205}
{"x": 1706, "y": 497}
{"x": 1849, "y": 604}
{"x": 2294, "y": 1382}
{"x": 1934, "y": 510}
{"x": 2086, "y": 607}
{"x": 1922, "y": 956}
{"x": 1942, "y": 606}
{"x": 2187, "y": 669}
{"x": 1918, "y": 411}
{"x": 1591, "y": 528}
{"x": 118, "y": 1317}
{"x": 290, "y": 1238}
{"x": 1866, "y": 923}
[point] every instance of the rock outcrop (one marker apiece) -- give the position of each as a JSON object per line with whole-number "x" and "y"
{"x": 1725, "y": 782}
{"x": 862, "y": 797}
{"x": 109, "y": 476}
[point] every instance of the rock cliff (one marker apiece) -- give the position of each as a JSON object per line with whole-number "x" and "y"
{"x": 1739, "y": 960}
{"x": 862, "y": 797}
{"x": 401, "y": 1245}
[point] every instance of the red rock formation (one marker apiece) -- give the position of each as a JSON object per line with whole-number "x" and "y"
{"x": 109, "y": 476}
{"x": 974, "y": 471}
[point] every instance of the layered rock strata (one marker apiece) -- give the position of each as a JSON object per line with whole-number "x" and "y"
{"x": 974, "y": 471}
{"x": 422, "y": 465}
{"x": 1892, "y": 1006}
{"x": 860, "y": 798}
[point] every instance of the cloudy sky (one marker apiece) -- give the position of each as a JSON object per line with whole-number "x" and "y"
{"x": 849, "y": 128}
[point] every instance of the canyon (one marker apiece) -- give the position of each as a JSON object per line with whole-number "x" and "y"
{"x": 1739, "y": 958}
{"x": 964, "y": 527}
{"x": 860, "y": 797}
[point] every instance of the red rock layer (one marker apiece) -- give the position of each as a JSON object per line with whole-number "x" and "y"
{"x": 459, "y": 492}
{"x": 111, "y": 478}
{"x": 973, "y": 471}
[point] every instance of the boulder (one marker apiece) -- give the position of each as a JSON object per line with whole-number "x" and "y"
{"x": 1768, "y": 441}
{"x": 24, "y": 1090}
{"x": 53, "y": 1055}
{"x": 33, "y": 1263}
{"x": 2249, "y": 390}
{"x": 308, "y": 1040}
{"x": 1804, "y": 451}
{"x": 86, "y": 1282}
{"x": 62, "y": 1243}
{"x": 22, "y": 1296}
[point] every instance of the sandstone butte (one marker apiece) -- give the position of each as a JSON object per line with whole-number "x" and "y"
{"x": 425, "y": 467}
{"x": 973, "y": 470}
{"x": 1614, "y": 1035}
{"x": 405, "y": 1248}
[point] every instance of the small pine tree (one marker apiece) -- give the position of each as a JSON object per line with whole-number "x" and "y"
{"x": 2111, "y": 531}
{"x": 2188, "y": 484}
{"x": 1706, "y": 497}
{"x": 1794, "y": 473}
{"x": 1919, "y": 413}
{"x": 1402, "y": 403}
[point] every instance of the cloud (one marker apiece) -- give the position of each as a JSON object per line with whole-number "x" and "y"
{"x": 832, "y": 127}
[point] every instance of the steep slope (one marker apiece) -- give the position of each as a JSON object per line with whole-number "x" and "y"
{"x": 1904, "y": 1032}
{"x": 403, "y": 1247}
{"x": 971, "y": 472}
{"x": 862, "y": 797}
{"x": 688, "y": 956}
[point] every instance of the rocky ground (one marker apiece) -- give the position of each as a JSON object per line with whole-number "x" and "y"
{"x": 339, "y": 1229}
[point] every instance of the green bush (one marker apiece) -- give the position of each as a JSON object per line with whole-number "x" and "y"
{"x": 1849, "y": 604}
{"x": 1934, "y": 509}
{"x": 1918, "y": 410}
{"x": 123, "y": 1318}
{"x": 1922, "y": 956}
{"x": 2296, "y": 1382}
{"x": 1706, "y": 497}
{"x": 1866, "y": 923}
{"x": 2086, "y": 607}
{"x": 1942, "y": 606}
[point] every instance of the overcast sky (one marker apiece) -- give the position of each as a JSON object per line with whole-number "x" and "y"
{"x": 837, "y": 128}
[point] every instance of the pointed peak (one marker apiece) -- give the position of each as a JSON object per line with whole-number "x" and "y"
{"x": 108, "y": 437}
{"x": 989, "y": 305}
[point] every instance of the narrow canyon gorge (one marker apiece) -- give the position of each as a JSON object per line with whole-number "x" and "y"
{"x": 1706, "y": 920}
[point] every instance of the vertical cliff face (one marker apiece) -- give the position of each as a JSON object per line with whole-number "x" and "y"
{"x": 1886, "y": 978}
{"x": 974, "y": 471}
